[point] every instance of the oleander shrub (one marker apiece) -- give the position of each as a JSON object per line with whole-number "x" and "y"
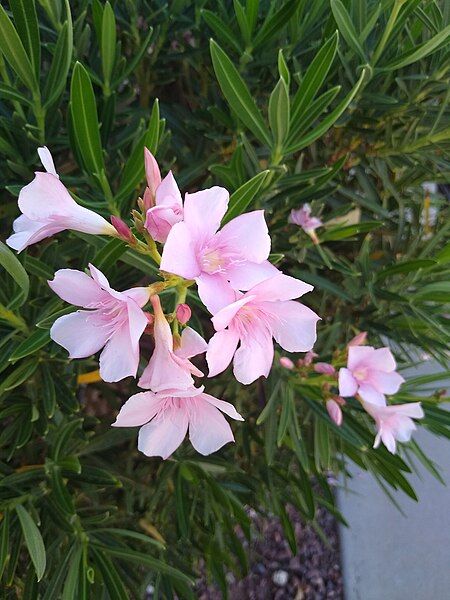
{"x": 332, "y": 117}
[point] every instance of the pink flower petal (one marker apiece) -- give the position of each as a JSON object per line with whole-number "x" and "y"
{"x": 254, "y": 357}
{"x": 179, "y": 253}
{"x": 246, "y": 275}
{"x": 293, "y": 325}
{"x": 27, "y": 232}
{"x": 138, "y": 410}
{"x": 208, "y": 428}
{"x": 140, "y": 295}
{"x": 192, "y": 344}
{"x": 225, "y": 407}
{"x": 387, "y": 383}
{"x": 168, "y": 193}
{"x": 203, "y": 212}
{"x": 162, "y": 436}
{"x": 224, "y": 317}
{"x": 348, "y": 385}
{"x": 120, "y": 356}
{"x": 249, "y": 233}
{"x": 152, "y": 172}
{"x": 281, "y": 287}
{"x": 215, "y": 292}
{"x": 78, "y": 335}
{"x": 221, "y": 349}
{"x": 77, "y": 288}
{"x": 47, "y": 160}
{"x": 369, "y": 394}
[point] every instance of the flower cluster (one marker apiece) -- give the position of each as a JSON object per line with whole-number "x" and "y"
{"x": 251, "y": 302}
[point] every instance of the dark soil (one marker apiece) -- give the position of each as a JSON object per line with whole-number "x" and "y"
{"x": 275, "y": 574}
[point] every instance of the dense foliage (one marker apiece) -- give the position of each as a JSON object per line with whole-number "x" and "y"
{"x": 342, "y": 104}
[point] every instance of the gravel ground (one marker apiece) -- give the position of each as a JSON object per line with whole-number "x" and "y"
{"x": 275, "y": 574}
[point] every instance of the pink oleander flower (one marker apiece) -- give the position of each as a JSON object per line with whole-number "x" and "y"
{"x": 265, "y": 311}
{"x": 394, "y": 422}
{"x": 162, "y": 199}
{"x": 113, "y": 321}
{"x": 358, "y": 340}
{"x": 171, "y": 368}
{"x": 302, "y": 218}
{"x": 183, "y": 313}
{"x": 234, "y": 258}
{"x": 166, "y": 416}
{"x": 371, "y": 373}
{"x": 324, "y": 368}
{"x": 335, "y": 412}
{"x": 48, "y": 208}
{"x": 287, "y": 363}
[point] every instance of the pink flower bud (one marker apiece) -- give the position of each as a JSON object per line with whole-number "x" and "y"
{"x": 183, "y": 313}
{"x": 309, "y": 357}
{"x": 335, "y": 412}
{"x": 122, "y": 229}
{"x": 358, "y": 340}
{"x": 152, "y": 174}
{"x": 324, "y": 368}
{"x": 286, "y": 363}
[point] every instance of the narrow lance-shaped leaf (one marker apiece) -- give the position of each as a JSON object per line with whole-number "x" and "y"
{"x": 275, "y": 23}
{"x": 108, "y": 42}
{"x": 237, "y": 94}
{"x": 85, "y": 120}
{"x": 33, "y": 540}
{"x": 279, "y": 113}
{"x": 14, "y": 52}
{"x": 25, "y": 20}
{"x": 221, "y": 30}
{"x": 62, "y": 58}
{"x": 329, "y": 121}
{"x": 314, "y": 77}
{"x": 242, "y": 197}
{"x": 347, "y": 28}
{"x": 12, "y": 264}
{"x": 419, "y": 52}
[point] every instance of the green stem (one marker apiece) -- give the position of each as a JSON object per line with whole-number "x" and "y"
{"x": 387, "y": 32}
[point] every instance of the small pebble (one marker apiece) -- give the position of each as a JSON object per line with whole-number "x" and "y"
{"x": 280, "y": 578}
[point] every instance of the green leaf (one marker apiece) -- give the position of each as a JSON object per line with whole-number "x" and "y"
{"x": 132, "y": 64}
{"x": 108, "y": 42}
{"x": 275, "y": 23}
{"x": 434, "y": 292}
{"x": 329, "y": 121}
{"x": 221, "y": 30}
{"x": 111, "y": 577}
{"x": 242, "y": 197}
{"x": 279, "y": 113}
{"x": 85, "y": 120}
{"x": 4, "y": 542}
{"x": 35, "y": 342}
{"x": 107, "y": 256}
{"x": 419, "y": 52}
{"x": 241, "y": 18}
{"x": 133, "y": 172}
{"x": 341, "y": 233}
{"x": 145, "y": 559}
{"x": 346, "y": 27}
{"x": 314, "y": 78}
{"x": 10, "y": 262}
{"x": 14, "y": 52}
{"x": 237, "y": 94}
{"x": 70, "y": 590}
{"x": 33, "y": 541}
{"x": 25, "y": 20}
{"x": 11, "y": 93}
{"x": 55, "y": 82}
{"x": 283, "y": 69}
{"x": 21, "y": 374}
{"x": 405, "y": 267}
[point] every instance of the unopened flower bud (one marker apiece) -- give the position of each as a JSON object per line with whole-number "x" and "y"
{"x": 286, "y": 363}
{"x": 309, "y": 357}
{"x": 183, "y": 313}
{"x": 324, "y": 368}
{"x": 359, "y": 339}
{"x": 153, "y": 176}
{"x": 122, "y": 229}
{"x": 335, "y": 412}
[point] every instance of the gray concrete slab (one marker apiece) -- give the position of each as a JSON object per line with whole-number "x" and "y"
{"x": 388, "y": 556}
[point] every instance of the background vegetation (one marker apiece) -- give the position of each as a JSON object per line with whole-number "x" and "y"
{"x": 343, "y": 104}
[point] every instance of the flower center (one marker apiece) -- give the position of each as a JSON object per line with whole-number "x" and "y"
{"x": 360, "y": 374}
